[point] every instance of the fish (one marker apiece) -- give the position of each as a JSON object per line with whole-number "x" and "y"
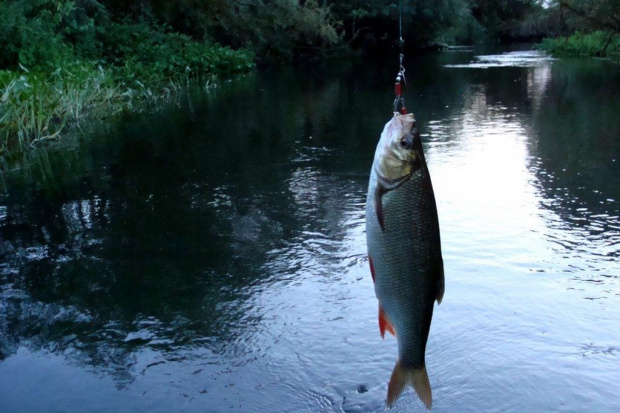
{"x": 404, "y": 251}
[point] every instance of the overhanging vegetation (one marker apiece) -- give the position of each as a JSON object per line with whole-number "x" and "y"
{"x": 65, "y": 60}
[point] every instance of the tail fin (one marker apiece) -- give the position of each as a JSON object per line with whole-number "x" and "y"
{"x": 418, "y": 379}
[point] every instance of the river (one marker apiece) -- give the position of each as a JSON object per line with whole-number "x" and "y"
{"x": 211, "y": 257}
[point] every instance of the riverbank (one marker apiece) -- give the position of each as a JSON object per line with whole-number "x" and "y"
{"x": 63, "y": 62}
{"x": 43, "y": 104}
{"x": 595, "y": 44}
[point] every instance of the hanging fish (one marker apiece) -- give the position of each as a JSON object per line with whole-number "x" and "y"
{"x": 404, "y": 250}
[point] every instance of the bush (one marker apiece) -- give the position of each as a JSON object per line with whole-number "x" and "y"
{"x": 581, "y": 44}
{"x": 67, "y": 59}
{"x": 35, "y": 107}
{"x": 138, "y": 51}
{"x": 273, "y": 30}
{"x": 44, "y": 33}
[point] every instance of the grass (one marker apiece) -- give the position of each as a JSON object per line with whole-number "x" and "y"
{"x": 65, "y": 61}
{"x": 38, "y": 106}
{"x": 597, "y": 43}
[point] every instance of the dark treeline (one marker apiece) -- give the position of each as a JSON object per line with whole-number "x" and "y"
{"x": 62, "y": 60}
{"x": 36, "y": 32}
{"x": 373, "y": 25}
{"x": 40, "y": 32}
{"x": 583, "y": 27}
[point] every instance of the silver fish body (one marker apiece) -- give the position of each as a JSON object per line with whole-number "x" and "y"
{"x": 404, "y": 248}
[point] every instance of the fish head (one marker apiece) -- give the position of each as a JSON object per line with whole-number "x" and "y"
{"x": 399, "y": 151}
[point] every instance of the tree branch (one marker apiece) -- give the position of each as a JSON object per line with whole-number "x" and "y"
{"x": 600, "y": 23}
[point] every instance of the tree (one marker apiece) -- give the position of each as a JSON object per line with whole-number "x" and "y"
{"x": 591, "y": 16}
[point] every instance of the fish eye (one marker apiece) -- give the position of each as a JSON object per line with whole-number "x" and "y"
{"x": 406, "y": 142}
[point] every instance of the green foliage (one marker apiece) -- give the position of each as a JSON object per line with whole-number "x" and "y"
{"x": 96, "y": 57}
{"x": 275, "y": 29}
{"x": 511, "y": 19}
{"x": 38, "y": 106}
{"x": 43, "y": 33}
{"x": 425, "y": 22}
{"x": 70, "y": 59}
{"x": 28, "y": 40}
{"x": 588, "y": 15}
{"x": 272, "y": 29}
{"x": 35, "y": 107}
{"x": 138, "y": 51}
{"x": 597, "y": 43}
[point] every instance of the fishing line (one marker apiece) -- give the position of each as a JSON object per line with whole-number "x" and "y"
{"x": 400, "y": 21}
{"x": 400, "y": 77}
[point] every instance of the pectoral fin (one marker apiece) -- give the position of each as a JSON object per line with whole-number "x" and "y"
{"x": 379, "y": 191}
{"x": 372, "y": 268}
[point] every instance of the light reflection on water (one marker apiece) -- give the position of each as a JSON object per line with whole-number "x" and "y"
{"x": 529, "y": 58}
{"x": 196, "y": 274}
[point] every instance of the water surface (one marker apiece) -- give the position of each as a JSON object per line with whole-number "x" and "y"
{"x": 212, "y": 257}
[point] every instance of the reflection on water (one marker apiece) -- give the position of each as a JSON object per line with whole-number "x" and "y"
{"x": 214, "y": 258}
{"x": 529, "y": 58}
{"x": 577, "y": 169}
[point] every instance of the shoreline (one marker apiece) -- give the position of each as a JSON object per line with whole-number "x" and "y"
{"x": 39, "y": 106}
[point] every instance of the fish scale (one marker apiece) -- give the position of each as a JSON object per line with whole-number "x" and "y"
{"x": 406, "y": 249}
{"x": 407, "y": 264}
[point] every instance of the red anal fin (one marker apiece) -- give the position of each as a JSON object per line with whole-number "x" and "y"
{"x": 372, "y": 268}
{"x": 384, "y": 323}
